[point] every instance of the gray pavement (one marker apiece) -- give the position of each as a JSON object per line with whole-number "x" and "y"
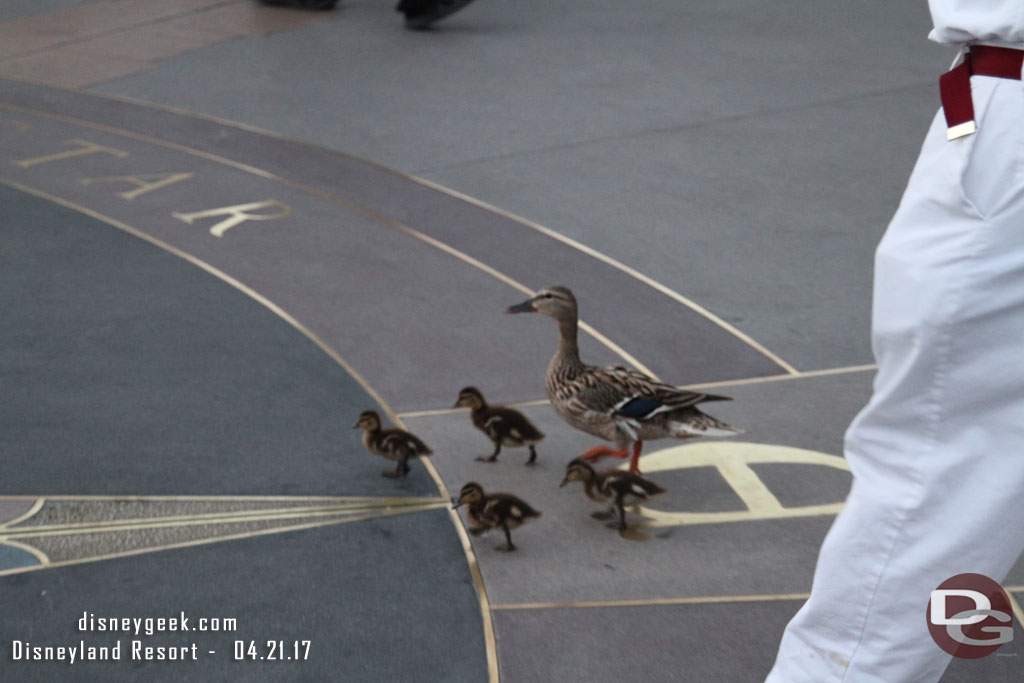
{"x": 180, "y": 379}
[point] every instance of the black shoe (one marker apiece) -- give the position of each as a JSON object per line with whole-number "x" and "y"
{"x": 422, "y": 13}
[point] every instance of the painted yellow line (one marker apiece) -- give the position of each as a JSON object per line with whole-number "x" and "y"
{"x": 693, "y": 600}
{"x": 593, "y": 253}
{"x": 235, "y": 517}
{"x": 491, "y": 642}
{"x": 651, "y": 602}
{"x": 495, "y": 273}
{"x": 373, "y": 215}
{"x": 489, "y": 638}
{"x": 733, "y": 460}
{"x": 808, "y": 374}
{"x": 811, "y": 374}
{"x": 142, "y": 497}
{"x": 618, "y": 265}
{"x": 414, "y": 414}
{"x": 1015, "y": 606}
{"x": 36, "y": 507}
{"x": 188, "y": 544}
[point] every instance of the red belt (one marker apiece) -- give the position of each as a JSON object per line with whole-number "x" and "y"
{"x": 955, "y": 86}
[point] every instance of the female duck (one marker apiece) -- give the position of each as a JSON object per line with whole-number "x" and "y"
{"x": 614, "y": 403}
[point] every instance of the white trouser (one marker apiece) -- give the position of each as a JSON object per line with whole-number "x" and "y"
{"x": 938, "y": 453}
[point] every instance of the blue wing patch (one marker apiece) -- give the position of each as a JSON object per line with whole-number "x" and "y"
{"x": 638, "y": 407}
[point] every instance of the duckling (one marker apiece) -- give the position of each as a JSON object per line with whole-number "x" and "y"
{"x": 494, "y": 511}
{"x": 393, "y": 444}
{"x": 504, "y": 426}
{"x": 611, "y": 486}
{"x": 617, "y": 404}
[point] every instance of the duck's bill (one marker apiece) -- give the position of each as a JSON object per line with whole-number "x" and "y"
{"x": 525, "y": 307}
{"x": 564, "y": 482}
{"x": 456, "y": 504}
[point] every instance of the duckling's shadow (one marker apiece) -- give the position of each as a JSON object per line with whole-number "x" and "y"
{"x": 638, "y": 532}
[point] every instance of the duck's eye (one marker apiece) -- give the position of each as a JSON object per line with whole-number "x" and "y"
{"x": 549, "y": 295}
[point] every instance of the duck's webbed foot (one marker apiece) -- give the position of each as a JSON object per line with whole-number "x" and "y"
{"x": 401, "y": 470}
{"x": 508, "y": 547}
{"x": 621, "y": 524}
{"x": 600, "y": 451}
{"x": 493, "y": 456}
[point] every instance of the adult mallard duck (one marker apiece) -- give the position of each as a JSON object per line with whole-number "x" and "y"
{"x": 618, "y": 404}
{"x": 494, "y": 511}
{"x": 393, "y": 444}
{"x": 613, "y": 487}
{"x": 503, "y": 426}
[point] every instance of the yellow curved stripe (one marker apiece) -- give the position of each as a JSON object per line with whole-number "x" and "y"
{"x": 618, "y": 265}
{"x": 492, "y": 658}
{"x": 373, "y": 215}
{"x": 732, "y": 459}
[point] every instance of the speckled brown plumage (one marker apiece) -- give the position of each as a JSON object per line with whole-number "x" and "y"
{"x": 394, "y": 444}
{"x": 616, "y": 488}
{"x": 503, "y": 426}
{"x": 618, "y": 404}
{"x": 487, "y": 511}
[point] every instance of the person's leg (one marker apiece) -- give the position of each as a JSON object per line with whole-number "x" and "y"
{"x": 938, "y": 453}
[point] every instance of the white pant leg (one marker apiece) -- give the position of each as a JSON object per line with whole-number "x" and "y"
{"x": 938, "y": 453}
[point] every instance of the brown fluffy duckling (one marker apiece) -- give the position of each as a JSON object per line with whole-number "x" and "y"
{"x": 494, "y": 511}
{"x": 393, "y": 444}
{"x": 503, "y": 426}
{"x": 614, "y": 487}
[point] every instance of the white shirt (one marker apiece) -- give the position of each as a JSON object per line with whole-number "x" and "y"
{"x": 994, "y": 22}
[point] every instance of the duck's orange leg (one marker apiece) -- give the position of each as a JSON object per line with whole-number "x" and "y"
{"x": 634, "y": 466}
{"x": 598, "y": 451}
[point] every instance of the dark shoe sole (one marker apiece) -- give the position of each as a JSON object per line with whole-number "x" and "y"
{"x": 441, "y": 10}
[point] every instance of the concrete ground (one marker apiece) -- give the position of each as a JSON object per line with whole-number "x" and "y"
{"x": 229, "y": 228}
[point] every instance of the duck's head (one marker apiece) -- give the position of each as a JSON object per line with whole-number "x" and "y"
{"x": 470, "y": 397}
{"x": 368, "y": 420}
{"x": 469, "y": 494}
{"x": 578, "y": 469}
{"x": 556, "y": 301}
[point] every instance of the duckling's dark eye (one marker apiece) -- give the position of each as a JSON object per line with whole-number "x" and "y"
{"x": 549, "y": 295}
